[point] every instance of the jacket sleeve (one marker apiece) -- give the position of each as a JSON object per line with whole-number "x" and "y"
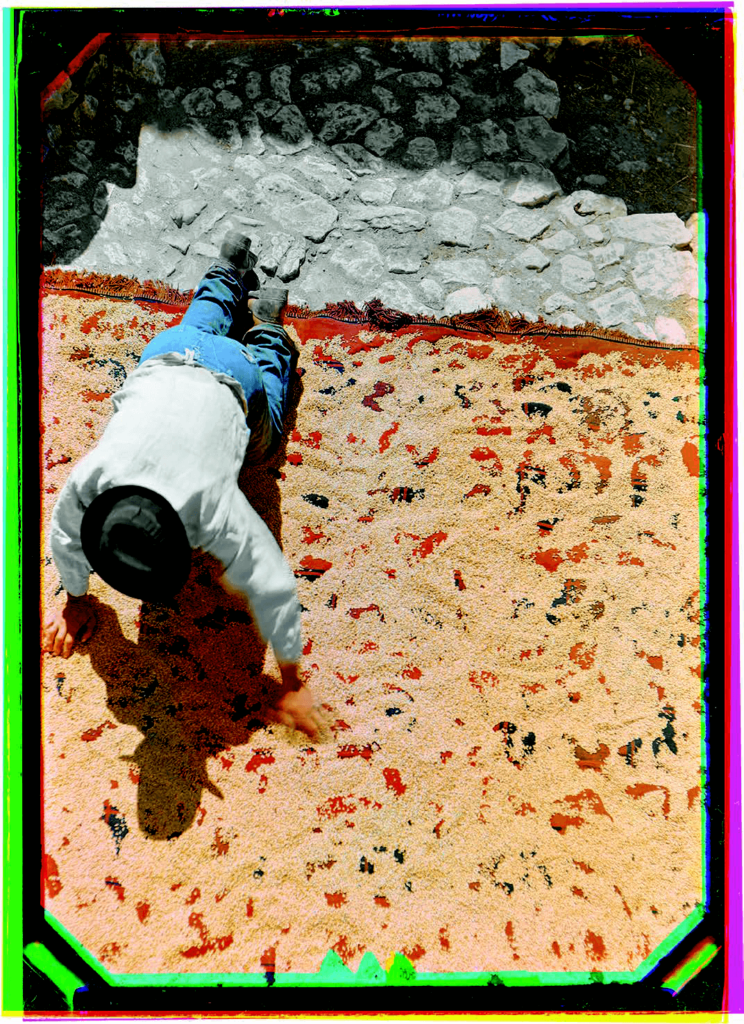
{"x": 67, "y": 551}
{"x": 255, "y": 565}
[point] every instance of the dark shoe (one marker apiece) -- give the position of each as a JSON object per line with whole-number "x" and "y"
{"x": 236, "y": 250}
{"x": 268, "y": 304}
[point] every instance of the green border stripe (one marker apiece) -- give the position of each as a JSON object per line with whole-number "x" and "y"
{"x": 12, "y": 997}
{"x": 333, "y": 973}
{"x": 48, "y": 964}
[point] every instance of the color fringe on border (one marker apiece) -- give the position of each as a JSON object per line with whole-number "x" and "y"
{"x": 489, "y": 321}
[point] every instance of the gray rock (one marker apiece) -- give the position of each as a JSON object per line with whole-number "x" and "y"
{"x": 491, "y": 170}
{"x": 652, "y": 228}
{"x": 313, "y": 218}
{"x": 312, "y": 84}
{"x": 383, "y": 73}
{"x": 529, "y": 184}
{"x": 537, "y": 139}
{"x": 419, "y": 80}
{"x": 73, "y": 179}
{"x": 665, "y": 273}
{"x": 466, "y": 148}
{"x": 493, "y": 140}
{"x": 291, "y": 123}
{"x": 80, "y": 162}
{"x": 341, "y": 76}
{"x": 63, "y": 96}
{"x": 455, "y": 226}
{"x": 608, "y": 254}
{"x": 511, "y": 54}
{"x": 432, "y": 292}
{"x": 266, "y": 108}
{"x": 531, "y": 258}
{"x": 394, "y": 295}
{"x": 228, "y": 100}
{"x": 559, "y": 242}
{"x": 421, "y": 152}
{"x": 422, "y": 50}
{"x": 435, "y": 109}
{"x": 469, "y": 271}
{"x": 539, "y": 93}
{"x": 88, "y": 107}
{"x": 148, "y": 62}
{"x": 249, "y": 165}
{"x": 568, "y": 319}
{"x": 477, "y": 102}
{"x": 593, "y": 233}
{"x": 180, "y": 242}
{"x": 612, "y": 276}
{"x": 378, "y": 191}
{"x": 344, "y": 120}
{"x": 360, "y": 260}
{"x": 397, "y": 217}
{"x": 386, "y": 100}
{"x": 617, "y": 307}
{"x": 585, "y": 203}
{"x": 100, "y": 199}
{"x": 323, "y": 177}
{"x": 462, "y": 51}
{"x": 58, "y": 242}
{"x": 128, "y": 152}
{"x": 279, "y": 80}
{"x": 187, "y": 211}
{"x": 431, "y": 192}
{"x": 283, "y": 256}
{"x": 576, "y": 274}
{"x": 357, "y": 158}
{"x": 252, "y": 85}
{"x": 474, "y": 182}
{"x": 595, "y": 179}
{"x": 383, "y": 137}
{"x": 632, "y": 166}
{"x": 524, "y": 224}
{"x": 465, "y": 300}
{"x": 199, "y": 103}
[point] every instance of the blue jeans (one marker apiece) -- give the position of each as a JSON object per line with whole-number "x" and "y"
{"x": 262, "y": 366}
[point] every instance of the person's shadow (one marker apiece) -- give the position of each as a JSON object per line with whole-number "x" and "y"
{"x": 193, "y": 683}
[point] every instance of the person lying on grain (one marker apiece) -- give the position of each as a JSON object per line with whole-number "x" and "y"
{"x": 163, "y": 479}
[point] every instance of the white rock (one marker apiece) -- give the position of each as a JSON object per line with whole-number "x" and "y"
{"x": 470, "y": 271}
{"x": 645, "y": 330}
{"x": 455, "y": 226}
{"x": 586, "y": 202}
{"x": 510, "y": 54}
{"x": 432, "y": 292}
{"x": 312, "y": 218}
{"x": 524, "y": 224}
{"x": 652, "y": 228}
{"x": 613, "y": 277}
{"x": 568, "y": 319}
{"x": 532, "y": 190}
{"x": 577, "y": 274}
{"x": 670, "y": 331}
{"x": 502, "y": 289}
{"x": 180, "y": 242}
{"x": 359, "y": 259}
{"x": 463, "y": 50}
{"x": 594, "y": 233}
{"x": 285, "y": 254}
{"x": 665, "y": 273}
{"x": 432, "y": 191}
{"x": 473, "y": 182}
{"x": 608, "y": 254}
{"x": 559, "y": 242}
{"x": 395, "y": 295}
{"x": 380, "y": 190}
{"x": 401, "y": 263}
{"x": 558, "y": 301}
{"x": 465, "y": 300}
{"x": 322, "y": 177}
{"x": 617, "y": 307}
{"x": 697, "y": 226}
{"x": 531, "y": 258}
{"x": 249, "y": 166}
{"x": 397, "y": 217}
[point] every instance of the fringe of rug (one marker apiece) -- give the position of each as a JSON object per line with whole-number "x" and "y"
{"x": 491, "y": 321}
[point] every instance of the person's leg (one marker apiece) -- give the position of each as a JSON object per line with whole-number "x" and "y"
{"x": 221, "y": 295}
{"x": 270, "y": 348}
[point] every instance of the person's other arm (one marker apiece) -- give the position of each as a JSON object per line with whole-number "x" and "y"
{"x": 72, "y": 619}
{"x": 256, "y": 567}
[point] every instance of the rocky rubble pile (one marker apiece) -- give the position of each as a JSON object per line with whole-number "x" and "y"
{"x": 435, "y": 190}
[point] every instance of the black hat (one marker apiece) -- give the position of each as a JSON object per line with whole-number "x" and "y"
{"x": 136, "y": 542}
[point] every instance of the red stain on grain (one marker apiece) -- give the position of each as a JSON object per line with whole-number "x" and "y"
{"x": 578, "y": 553}
{"x": 593, "y": 760}
{"x": 415, "y": 953}
{"x": 50, "y": 875}
{"x": 411, "y": 672}
{"x": 260, "y": 757}
{"x": 295, "y": 459}
{"x": 382, "y": 901}
{"x": 582, "y": 655}
{"x": 692, "y": 796}
{"x": 95, "y": 396}
{"x": 80, "y": 353}
{"x": 220, "y": 845}
{"x": 478, "y": 351}
{"x": 333, "y": 806}
{"x": 445, "y": 755}
{"x": 594, "y": 945}
{"x": 478, "y": 489}
{"x": 249, "y": 908}
{"x": 193, "y": 897}
{"x": 486, "y": 455}
{"x": 549, "y": 559}
{"x": 91, "y": 322}
{"x": 93, "y": 734}
{"x": 143, "y": 909}
{"x": 642, "y": 788}
{"x": 335, "y": 899}
{"x": 691, "y": 458}
{"x": 393, "y": 781}
{"x": 384, "y": 442}
{"x": 556, "y": 949}
{"x": 352, "y": 750}
{"x": 429, "y": 543}
{"x": 310, "y": 537}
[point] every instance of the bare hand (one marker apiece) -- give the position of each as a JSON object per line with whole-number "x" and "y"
{"x": 68, "y": 624}
{"x": 296, "y": 709}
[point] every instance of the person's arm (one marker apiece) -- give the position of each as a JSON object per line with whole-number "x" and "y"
{"x": 256, "y": 567}
{"x": 72, "y": 619}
